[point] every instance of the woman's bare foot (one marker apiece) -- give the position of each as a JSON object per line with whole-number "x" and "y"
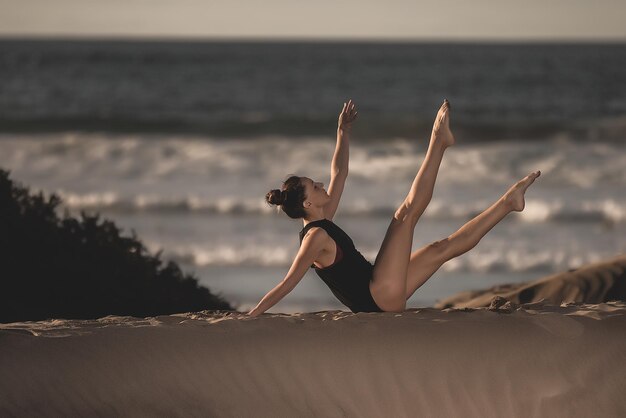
{"x": 514, "y": 197}
{"x": 441, "y": 128}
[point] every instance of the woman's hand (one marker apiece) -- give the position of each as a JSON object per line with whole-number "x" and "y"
{"x": 253, "y": 313}
{"x": 347, "y": 116}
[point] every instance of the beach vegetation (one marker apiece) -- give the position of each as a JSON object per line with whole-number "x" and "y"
{"x": 84, "y": 267}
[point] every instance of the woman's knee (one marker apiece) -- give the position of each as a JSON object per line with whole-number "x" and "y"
{"x": 399, "y": 309}
{"x": 401, "y": 213}
{"x": 397, "y": 306}
{"x": 407, "y": 213}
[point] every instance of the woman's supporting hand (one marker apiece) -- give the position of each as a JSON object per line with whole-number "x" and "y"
{"x": 254, "y": 313}
{"x": 347, "y": 116}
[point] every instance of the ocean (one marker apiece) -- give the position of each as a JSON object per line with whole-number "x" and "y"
{"x": 180, "y": 141}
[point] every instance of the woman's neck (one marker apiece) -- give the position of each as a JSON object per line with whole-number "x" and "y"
{"x": 312, "y": 217}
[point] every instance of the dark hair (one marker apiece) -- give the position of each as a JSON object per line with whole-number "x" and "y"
{"x": 289, "y": 198}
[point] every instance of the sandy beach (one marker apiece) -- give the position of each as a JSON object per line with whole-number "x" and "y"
{"x": 533, "y": 360}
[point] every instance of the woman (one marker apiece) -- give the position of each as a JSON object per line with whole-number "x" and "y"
{"x": 397, "y": 272}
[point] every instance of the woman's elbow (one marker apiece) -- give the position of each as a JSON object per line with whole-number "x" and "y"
{"x": 340, "y": 172}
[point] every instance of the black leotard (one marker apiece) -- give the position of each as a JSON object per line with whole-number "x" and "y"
{"x": 349, "y": 278}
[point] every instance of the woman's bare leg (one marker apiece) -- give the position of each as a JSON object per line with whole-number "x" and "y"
{"x": 427, "y": 260}
{"x": 388, "y": 286}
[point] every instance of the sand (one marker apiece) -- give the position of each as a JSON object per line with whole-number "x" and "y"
{"x": 530, "y": 360}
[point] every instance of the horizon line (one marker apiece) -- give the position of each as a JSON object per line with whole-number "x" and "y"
{"x": 303, "y": 39}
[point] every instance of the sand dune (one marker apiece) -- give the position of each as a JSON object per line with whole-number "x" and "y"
{"x": 529, "y": 360}
{"x": 593, "y": 283}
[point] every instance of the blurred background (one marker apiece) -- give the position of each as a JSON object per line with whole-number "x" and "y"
{"x": 175, "y": 119}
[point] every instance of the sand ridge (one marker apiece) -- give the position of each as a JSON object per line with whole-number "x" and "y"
{"x": 534, "y": 360}
{"x": 70, "y": 327}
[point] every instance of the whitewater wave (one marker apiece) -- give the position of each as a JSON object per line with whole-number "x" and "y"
{"x": 79, "y": 161}
{"x": 520, "y": 261}
{"x": 111, "y": 202}
{"x": 607, "y": 210}
{"x": 495, "y": 260}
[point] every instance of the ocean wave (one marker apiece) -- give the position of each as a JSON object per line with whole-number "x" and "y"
{"x": 139, "y": 174}
{"x": 520, "y": 260}
{"x": 536, "y": 211}
{"x": 478, "y": 261}
{"x": 230, "y": 255}
{"x": 110, "y": 202}
{"x": 73, "y": 159}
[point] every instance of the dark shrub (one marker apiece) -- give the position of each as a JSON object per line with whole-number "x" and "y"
{"x": 54, "y": 267}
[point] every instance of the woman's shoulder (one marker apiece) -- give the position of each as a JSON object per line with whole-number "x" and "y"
{"x": 320, "y": 223}
{"x": 316, "y": 232}
{"x": 316, "y": 228}
{"x": 316, "y": 237}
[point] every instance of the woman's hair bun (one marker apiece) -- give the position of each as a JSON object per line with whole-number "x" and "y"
{"x": 290, "y": 197}
{"x": 275, "y": 197}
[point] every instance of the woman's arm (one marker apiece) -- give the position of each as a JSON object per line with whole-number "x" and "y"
{"x": 339, "y": 165}
{"x": 312, "y": 245}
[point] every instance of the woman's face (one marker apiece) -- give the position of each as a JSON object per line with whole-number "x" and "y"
{"x": 315, "y": 192}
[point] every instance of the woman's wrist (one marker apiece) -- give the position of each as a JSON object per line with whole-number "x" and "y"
{"x": 344, "y": 129}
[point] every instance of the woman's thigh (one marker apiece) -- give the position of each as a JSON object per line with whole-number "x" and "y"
{"x": 424, "y": 262}
{"x": 388, "y": 286}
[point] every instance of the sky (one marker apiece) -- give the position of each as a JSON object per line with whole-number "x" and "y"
{"x": 319, "y": 19}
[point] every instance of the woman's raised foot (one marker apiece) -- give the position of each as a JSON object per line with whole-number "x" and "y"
{"x": 514, "y": 197}
{"x": 441, "y": 128}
